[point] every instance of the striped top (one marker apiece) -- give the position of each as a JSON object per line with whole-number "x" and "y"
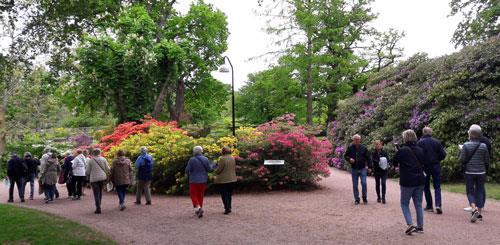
{"x": 479, "y": 161}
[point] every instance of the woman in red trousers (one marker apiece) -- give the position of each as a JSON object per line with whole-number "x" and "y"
{"x": 197, "y": 169}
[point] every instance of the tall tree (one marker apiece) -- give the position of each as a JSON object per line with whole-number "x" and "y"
{"x": 480, "y": 20}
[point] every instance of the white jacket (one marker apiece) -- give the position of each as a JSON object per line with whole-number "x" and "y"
{"x": 79, "y": 164}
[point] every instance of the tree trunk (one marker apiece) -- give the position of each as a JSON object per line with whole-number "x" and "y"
{"x": 309, "y": 82}
{"x": 160, "y": 100}
{"x": 175, "y": 113}
{"x": 3, "y": 130}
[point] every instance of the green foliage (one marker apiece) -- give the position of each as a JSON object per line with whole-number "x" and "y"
{"x": 448, "y": 94}
{"x": 269, "y": 94}
{"x": 480, "y": 20}
{"x": 28, "y": 226}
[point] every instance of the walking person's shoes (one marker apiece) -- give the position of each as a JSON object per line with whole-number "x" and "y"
{"x": 383, "y": 201}
{"x": 379, "y": 200}
{"x": 429, "y": 209}
{"x": 410, "y": 229}
{"x": 474, "y": 216}
{"x": 22, "y": 200}
{"x": 356, "y": 202}
{"x": 31, "y": 198}
{"x": 439, "y": 210}
{"x": 97, "y": 211}
{"x": 200, "y": 213}
{"x": 10, "y": 200}
{"x": 46, "y": 200}
{"x": 137, "y": 203}
{"x": 365, "y": 201}
{"x": 76, "y": 198}
{"x": 226, "y": 212}
{"x": 148, "y": 203}
{"x": 122, "y": 207}
{"x": 480, "y": 217}
{"x": 419, "y": 230}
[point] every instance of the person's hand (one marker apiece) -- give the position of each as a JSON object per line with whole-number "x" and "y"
{"x": 351, "y": 160}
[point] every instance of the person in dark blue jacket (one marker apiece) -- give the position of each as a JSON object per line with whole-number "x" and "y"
{"x": 16, "y": 170}
{"x": 197, "y": 170}
{"x": 68, "y": 174}
{"x": 32, "y": 165}
{"x": 359, "y": 158}
{"x": 144, "y": 165}
{"x": 434, "y": 153}
{"x": 409, "y": 162}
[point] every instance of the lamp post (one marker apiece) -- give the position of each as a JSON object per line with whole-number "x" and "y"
{"x": 225, "y": 70}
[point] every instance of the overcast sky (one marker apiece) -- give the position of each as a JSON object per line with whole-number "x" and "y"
{"x": 426, "y": 23}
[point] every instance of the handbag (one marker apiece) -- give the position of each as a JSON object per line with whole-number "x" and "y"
{"x": 62, "y": 178}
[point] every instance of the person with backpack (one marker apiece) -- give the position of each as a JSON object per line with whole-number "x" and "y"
{"x": 16, "y": 170}
{"x": 359, "y": 158}
{"x": 32, "y": 166}
{"x": 409, "y": 162}
{"x": 380, "y": 166}
{"x": 434, "y": 153}
{"x": 474, "y": 159}
{"x": 197, "y": 170}
{"x": 144, "y": 165}
{"x": 121, "y": 176}
{"x": 98, "y": 172}
{"x": 49, "y": 175}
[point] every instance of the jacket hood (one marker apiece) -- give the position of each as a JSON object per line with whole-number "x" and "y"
{"x": 122, "y": 161}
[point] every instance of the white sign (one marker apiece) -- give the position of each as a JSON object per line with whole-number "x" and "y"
{"x": 274, "y": 162}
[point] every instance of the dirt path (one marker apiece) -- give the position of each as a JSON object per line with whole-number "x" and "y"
{"x": 326, "y": 216}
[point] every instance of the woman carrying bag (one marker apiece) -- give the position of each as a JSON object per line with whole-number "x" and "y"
{"x": 98, "y": 170}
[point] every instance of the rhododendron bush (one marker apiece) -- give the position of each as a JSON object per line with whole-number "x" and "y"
{"x": 281, "y": 139}
{"x": 305, "y": 156}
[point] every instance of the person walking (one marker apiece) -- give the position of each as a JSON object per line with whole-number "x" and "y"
{"x": 359, "y": 158}
{"x": 434, "y": 153}
{"x": 409, "y": 162}
{"x": 197, "y": 170}
{"x": 78, "y": 166}
{"x": 98, "y": 171}
{"x": 144, "y": 165}
{"x": 32, "y": 166}
{"x": 68, "y": 174}
{"x": 475, "y": 159}
{"x": 16, "y": 170}
{"x": 49, "y": 174}
{"x": 121, "y": 175}
{"x": 225, "y": 178}
{"x": 380, "y": 161}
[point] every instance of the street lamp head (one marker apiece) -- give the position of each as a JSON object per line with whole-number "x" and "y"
{"x": 224, "y": 69}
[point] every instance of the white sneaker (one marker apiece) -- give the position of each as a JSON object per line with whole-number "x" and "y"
{"x": 468, "y": 209}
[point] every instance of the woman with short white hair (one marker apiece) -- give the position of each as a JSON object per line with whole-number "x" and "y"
{"x": 197, "y": 170}
{"x": 409, "y": 160}
{"x": 475, "y": 159}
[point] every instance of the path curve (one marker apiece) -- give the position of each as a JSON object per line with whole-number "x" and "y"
{"x": 325, "y": 216}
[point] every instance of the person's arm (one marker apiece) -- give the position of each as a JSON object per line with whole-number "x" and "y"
{"x": 88, "y": 169}
{"x": 188, "y": 167}
{"x": 487, "y": 160}
{"x": 368, "y": 158}
{"x": 442, "y": 152}
{"x": 462, "y": 157}
{"x": 347, "y": 154}
{"x": 220, "y": 167}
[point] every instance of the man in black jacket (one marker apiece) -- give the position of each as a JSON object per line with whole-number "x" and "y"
{"x": 434, "y": 153}
{"x": 16, "y": 170}
{"x": 32, "y": 165}
{"x": 359, "y": 158}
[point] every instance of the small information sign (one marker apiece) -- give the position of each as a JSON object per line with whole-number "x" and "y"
{"x": 274, "y": 162}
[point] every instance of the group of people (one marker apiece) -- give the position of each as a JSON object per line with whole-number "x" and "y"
{"x": 418, "y": 161}
{"x": 81, "y": 168}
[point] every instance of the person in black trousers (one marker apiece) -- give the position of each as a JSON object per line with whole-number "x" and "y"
{"x": 226, "y": 178}
{"x": 380, "y": 167}
{"x": 68, "y": 174}
{"x": 16, "y": 170}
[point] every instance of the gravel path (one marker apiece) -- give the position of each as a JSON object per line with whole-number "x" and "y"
{"x": 325, "y": 216}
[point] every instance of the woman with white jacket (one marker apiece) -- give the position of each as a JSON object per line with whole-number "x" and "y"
{"x": 79, "y": 164}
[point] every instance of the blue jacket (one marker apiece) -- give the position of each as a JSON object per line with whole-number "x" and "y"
{"x": 433, "y": 150}
{"x": 144, "y": 165}
{"x": 197, "y": 169}
{"x": 410, "y": 159}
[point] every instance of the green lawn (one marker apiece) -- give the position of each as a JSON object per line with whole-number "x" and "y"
{"x": 492, "y": 189}
{"x": 27, "y": 226}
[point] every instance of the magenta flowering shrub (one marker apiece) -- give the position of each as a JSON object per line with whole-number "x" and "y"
{"x": 305, "y": 156}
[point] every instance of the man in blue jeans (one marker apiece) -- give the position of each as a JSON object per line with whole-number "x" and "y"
{"x": 434, "y": 153}
{"x": 359, "y": 158}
